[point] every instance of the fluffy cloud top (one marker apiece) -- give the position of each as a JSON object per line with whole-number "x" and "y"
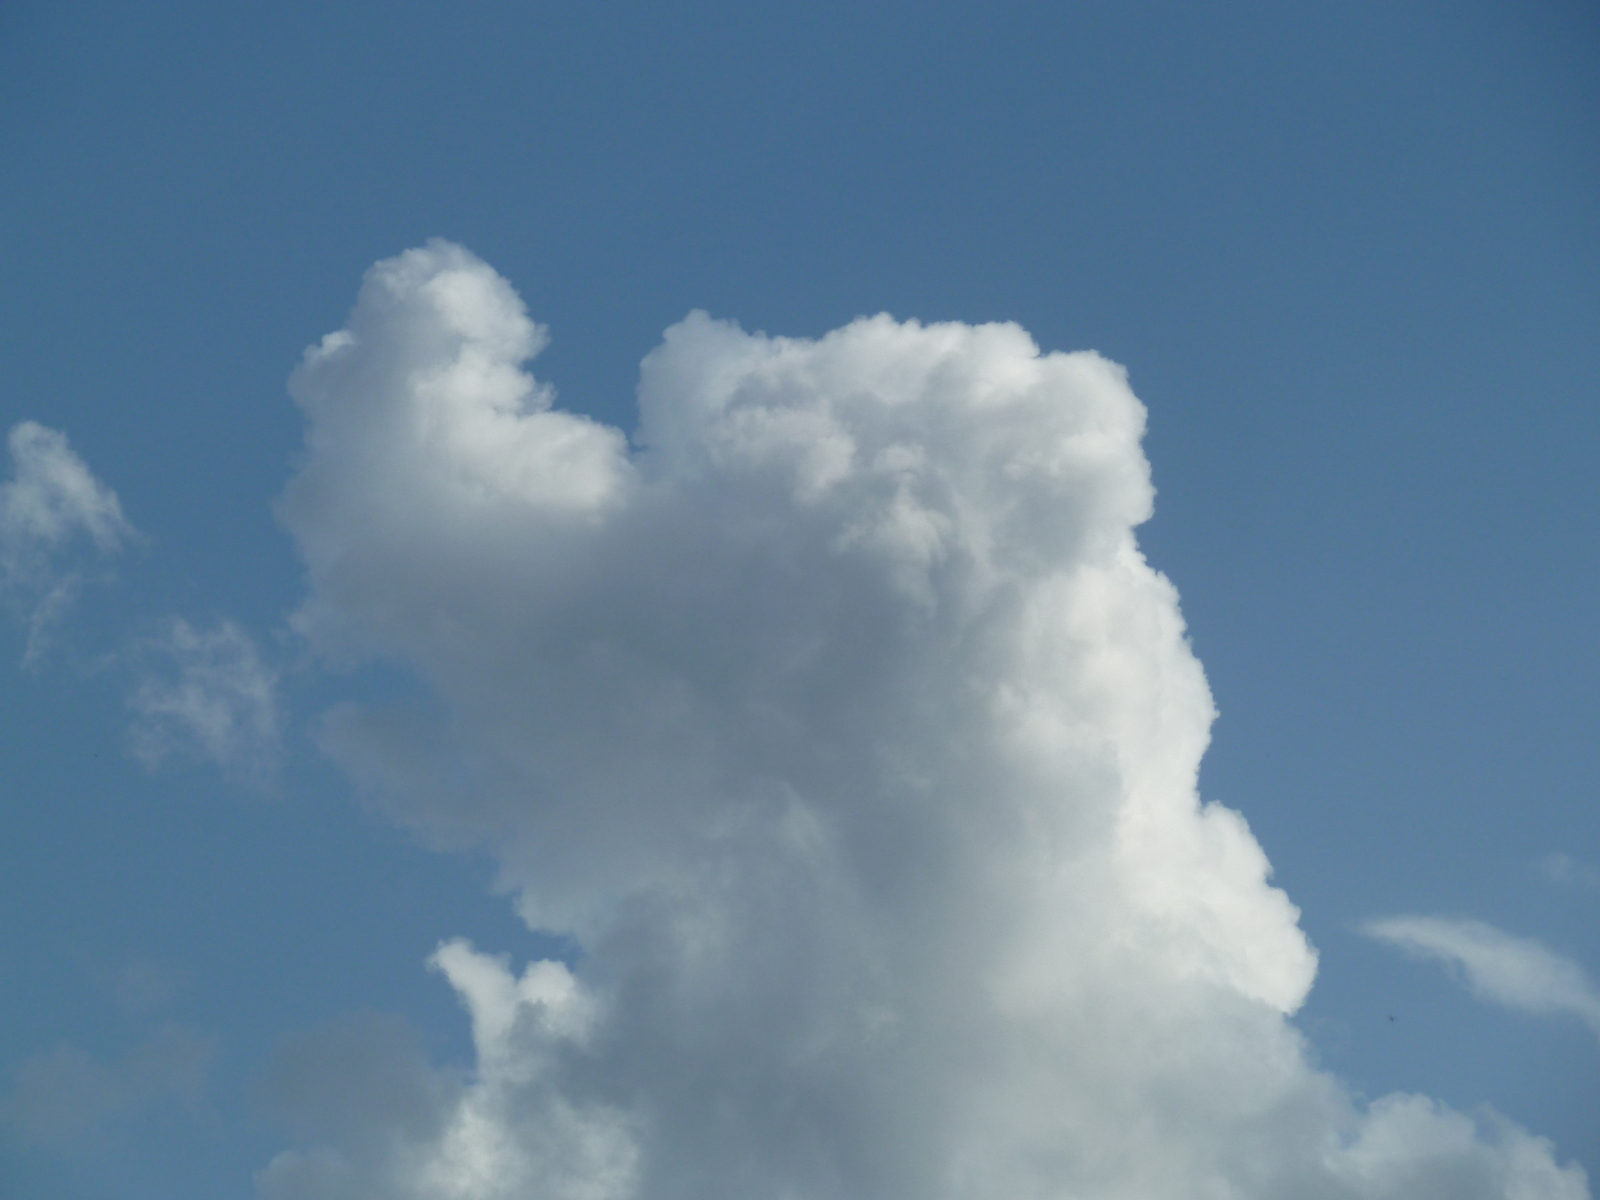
{"x": 51, "y": 504}
{"x": 1516, "y": 972}
{"x": 842, "y": 723}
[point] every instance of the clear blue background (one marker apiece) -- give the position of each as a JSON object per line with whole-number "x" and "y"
{"x": 1349, "y": 251}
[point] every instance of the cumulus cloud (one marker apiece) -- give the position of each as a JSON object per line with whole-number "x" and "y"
{"x": 841, "y": 723}
{"x": 409, "y": 1130}
{"x": 207, "y": 695}
{"x": 52, "y": 510}
{"x": 1517, "y": 972}
{"x": 366, "y": 1079}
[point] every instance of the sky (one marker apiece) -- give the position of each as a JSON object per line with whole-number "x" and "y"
{"x": 832, "y": 601}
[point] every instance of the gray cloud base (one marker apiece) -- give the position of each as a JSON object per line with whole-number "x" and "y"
{"x": 841, "y": 721}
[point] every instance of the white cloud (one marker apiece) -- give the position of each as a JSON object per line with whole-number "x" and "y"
{"x": 1516, "y": 972}
{"x": 51, "y": 507}
{"x": 211, "y": 698}
{"x": 844, "y": 725}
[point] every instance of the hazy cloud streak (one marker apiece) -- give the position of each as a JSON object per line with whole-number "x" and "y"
{"x": 1517, "y": 972}
{"x": 1569, "y": 872}
{"x": 50, "y": 507}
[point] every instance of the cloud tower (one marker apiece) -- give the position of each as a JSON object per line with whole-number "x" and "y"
{"x": 840, "y": 722}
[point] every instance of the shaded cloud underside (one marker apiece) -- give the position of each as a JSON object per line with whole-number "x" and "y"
{"x": 842, "y": 723}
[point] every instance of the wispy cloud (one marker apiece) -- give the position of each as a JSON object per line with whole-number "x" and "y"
{"x": 206, "y": 694}
{"x": 1569, "y": 872}
{"x": 1517, "y": 972}
{"x": 55, "y": 519}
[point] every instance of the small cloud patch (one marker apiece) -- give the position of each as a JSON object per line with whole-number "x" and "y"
{"x": 207, "y": 695}
{"x": 57, "y": 524}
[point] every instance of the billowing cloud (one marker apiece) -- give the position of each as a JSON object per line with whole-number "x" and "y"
{"x": 840, "y": 721}
{"x": 1517, "y": 972}
{"x": 52, "y": 511}
{"x": 206, "y": 694}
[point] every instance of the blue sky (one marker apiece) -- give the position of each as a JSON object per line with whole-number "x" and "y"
{"x": 1347, "y": 254}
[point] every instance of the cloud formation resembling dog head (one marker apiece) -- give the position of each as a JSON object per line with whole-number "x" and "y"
{"x": 842, "y": 723}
